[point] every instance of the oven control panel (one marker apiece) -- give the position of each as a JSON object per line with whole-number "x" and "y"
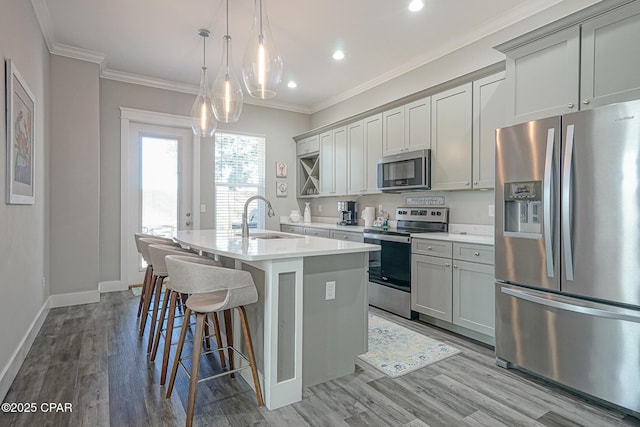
{"x": 426, "y": 214}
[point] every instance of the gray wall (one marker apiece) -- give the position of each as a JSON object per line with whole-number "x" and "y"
{"x": 75, "y": 175}
{"x": 278, "y": 126}
{"x": 24, "y": 245}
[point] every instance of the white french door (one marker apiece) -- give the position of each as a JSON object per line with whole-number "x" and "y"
{"x": 159, "y": 192}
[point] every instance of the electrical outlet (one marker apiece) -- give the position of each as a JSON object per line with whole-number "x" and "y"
{"x": 492, "y": 210}
{"x": 203, "y": 208}
{"x": 330, "y": 290}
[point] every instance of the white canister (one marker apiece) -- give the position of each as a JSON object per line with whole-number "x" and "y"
{"x": 368, "y": 215}
{"x": 294, "y": 216}
{"x": 307, "y": 212}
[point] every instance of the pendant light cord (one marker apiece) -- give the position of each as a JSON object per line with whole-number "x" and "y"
{"x": 226, "y": 40}
{"x": 204, "y": 51}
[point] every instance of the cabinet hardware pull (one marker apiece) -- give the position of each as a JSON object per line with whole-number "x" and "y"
{"x": 446, "y": 264}
{"x": 455, "y": 265}
{"x": 570, "y": 105}
{"x": 476, "y": 253}
{"x": 429, "y": 248}
{"x": 585, "y": 101}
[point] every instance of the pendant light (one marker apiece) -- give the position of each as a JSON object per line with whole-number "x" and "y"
{"x": 262, "y": 65}
{"x": 227, "y": 91}
{"x": 203, "y": 122}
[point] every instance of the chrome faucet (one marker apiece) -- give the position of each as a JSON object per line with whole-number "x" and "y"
{"x": 245, "y": 223}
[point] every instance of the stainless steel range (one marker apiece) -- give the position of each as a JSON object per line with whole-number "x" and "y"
{"x": 390, "y": 268}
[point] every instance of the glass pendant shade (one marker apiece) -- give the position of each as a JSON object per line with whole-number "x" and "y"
{"x": 203, "y": 122}
{"x": 227, "y": 92}
{"x": 262, "y": 64}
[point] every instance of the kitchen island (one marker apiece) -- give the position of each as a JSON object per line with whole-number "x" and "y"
{"x": 310, "y": 321}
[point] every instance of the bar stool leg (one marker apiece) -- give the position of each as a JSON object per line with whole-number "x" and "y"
{"x": 147, "y": 303}
{"x": 252, "y": 360}
{"x": 195, "y": 366}
{"x": 168, "y": 337}
{"x": 163, "y": 313}
{"x": 229, "y": 332}
{"x": 154, "y": 316}
{"x": 216, "y": 329}
{"x": 147, "y": 277}
{"x": 183, "y": 334}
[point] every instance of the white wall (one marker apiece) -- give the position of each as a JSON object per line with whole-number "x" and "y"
{"x": 24, "y": 245}
{"x": 75, "y": 174}
{"x": 278, "y": 126}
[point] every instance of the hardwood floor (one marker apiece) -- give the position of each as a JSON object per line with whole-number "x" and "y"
{"x": 91, "y": 356}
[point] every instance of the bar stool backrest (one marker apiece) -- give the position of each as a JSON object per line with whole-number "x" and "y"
{"x": 144, "y": 247}
{"x": 166, "y": 240}
{"x": 193, "y": 276}
{"x": 158, "y": 252}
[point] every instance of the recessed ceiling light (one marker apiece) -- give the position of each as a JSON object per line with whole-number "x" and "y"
{"x": 338, "y": 55}
{"x": 416, "y": 5}
{"x": 292, "y": 84}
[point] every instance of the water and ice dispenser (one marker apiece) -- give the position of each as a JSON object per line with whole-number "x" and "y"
{"x": 523, "y": 209}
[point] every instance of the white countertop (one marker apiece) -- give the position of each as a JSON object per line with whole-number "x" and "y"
{"x": 456, "y": 237}
{"x": 229, "y": 243}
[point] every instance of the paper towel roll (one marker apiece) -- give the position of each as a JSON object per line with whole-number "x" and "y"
{"x": 368, "y": 215}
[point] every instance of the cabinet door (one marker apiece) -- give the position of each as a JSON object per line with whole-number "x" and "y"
{"x": 327, "y": 182}
{"x": 317, "y": 232}
{"x": 356, "y": 152}
{"x": 543, "y": 77}
{"x": 473, "y": 296}
{"x": 340, "y": 160}
{"x": 373, "y": 149}
{"x": 489, "y": 100}
{"x": 313, "y": 144}
{"x": 431, "y": 286}
{"x": 451, "y": 139}
{"x": 393, "y": 131}
{"x": 417, "y": 124}
{"x": 610, "y": 58}
{"x": 291, "y": 229}
{"x": 302, "y": 147}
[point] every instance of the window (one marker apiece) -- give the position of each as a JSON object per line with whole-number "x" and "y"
{"x": 239, "y": 174}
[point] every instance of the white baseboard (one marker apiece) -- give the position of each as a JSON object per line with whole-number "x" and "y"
{"x": 15, "y": 362}
{"x": 75, "y": 298}
{"x": 112, "y": 286}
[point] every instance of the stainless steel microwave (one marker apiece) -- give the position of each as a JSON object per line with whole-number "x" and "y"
{"x": 405, "y": 171}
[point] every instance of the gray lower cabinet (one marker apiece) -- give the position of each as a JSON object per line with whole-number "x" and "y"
{"x": 295, "y": 229}
{"x": 350, "y": 236}
{"x": 454, "y": 282}
{"x": 317, "y": 232}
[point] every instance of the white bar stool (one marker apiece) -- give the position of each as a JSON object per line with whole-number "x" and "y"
{"x": 158, "y": 254}
{"x": 212, "y": 289}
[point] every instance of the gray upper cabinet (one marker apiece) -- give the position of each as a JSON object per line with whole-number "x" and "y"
{"x": 586, "y": 60}
{"x": 364, "y": 148}
{"x": 407, "y": 127}
{"x": 451, "y": 119}
{"x": 543, "y": 76}
{"x": 489, "y": 100}
{"x": 610, "y": 60}
{"x": 333, "y": 162}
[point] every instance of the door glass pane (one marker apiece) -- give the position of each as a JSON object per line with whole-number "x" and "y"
{"x": 159, "y": 185}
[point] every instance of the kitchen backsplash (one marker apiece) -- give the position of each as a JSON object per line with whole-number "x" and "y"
{"x": 465, "y": 207}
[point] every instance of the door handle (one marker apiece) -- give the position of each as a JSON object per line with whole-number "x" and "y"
{"x": 546, "y": 200}
{"x": 188, "y": 223}
{"x": 188, "y": 214}
{"x": 566, "y": 203}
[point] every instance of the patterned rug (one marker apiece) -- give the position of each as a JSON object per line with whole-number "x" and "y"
{"x": 396, "y": 350}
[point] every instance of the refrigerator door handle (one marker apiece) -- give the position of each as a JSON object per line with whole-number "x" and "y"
{"x": 595, "y": 309}
{"x": 546, "y": 201}
{"x": 566, "y": 203}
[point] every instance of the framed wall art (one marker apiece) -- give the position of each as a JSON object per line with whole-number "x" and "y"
{"x": 281, "y": 189}
{"x": 281, "y": 170}
{"x": 20, "y": 107}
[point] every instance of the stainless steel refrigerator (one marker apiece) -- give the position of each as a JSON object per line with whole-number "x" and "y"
{"x": 568, "y": 250}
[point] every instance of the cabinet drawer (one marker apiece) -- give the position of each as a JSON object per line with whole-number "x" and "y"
{"x": 483, "y": 254}
{"x": 347, "y": 235}
{"x": 431, "y": 247}
{"x": 291, "y": 229}
{"x": 315, "y": 232}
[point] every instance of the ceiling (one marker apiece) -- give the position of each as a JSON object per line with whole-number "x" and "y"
{"x": 155, "y": 42}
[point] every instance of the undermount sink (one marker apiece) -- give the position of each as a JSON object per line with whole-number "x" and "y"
{"x": 272, "y": 236}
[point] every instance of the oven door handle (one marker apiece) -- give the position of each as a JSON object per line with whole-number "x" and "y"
{"x": 388, "y": 238}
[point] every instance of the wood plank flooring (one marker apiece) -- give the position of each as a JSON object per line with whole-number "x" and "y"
{"x": 91, "y": 356}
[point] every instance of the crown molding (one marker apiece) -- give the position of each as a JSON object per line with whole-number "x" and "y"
{"x": 80, "y": 54}
{"x": 137, "y": 79}
{"x": 491, "y": 27}
{"x": 44, "y": 19}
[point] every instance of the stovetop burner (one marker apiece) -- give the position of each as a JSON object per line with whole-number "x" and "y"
{"x": 414, "y": 219}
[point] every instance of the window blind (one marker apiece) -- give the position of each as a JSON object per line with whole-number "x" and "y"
{"x": 239, "y": 174}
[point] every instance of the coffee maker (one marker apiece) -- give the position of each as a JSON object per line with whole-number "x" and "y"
{"x": 348, "y": 213}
